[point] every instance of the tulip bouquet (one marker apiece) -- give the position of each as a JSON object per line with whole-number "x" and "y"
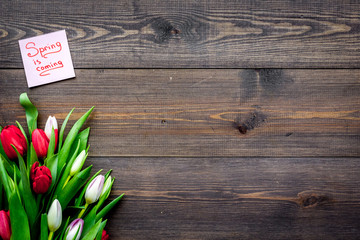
{"x": 44, "y": 192}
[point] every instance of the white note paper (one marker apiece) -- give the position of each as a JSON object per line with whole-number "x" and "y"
{"x": 46, "y": 58}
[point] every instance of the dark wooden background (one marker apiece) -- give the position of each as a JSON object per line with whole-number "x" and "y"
{"x": 221, "y": 119}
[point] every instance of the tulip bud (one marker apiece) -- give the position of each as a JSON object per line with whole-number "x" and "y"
{"x": 104, "y": 235}
{"x": 50, "y": 124}
{"x": 40, "y": 142}
{"x": 75, "y": 229}
{"x": 40, "y": 177}
{"x": 94, "y": 189}
{"x": 32, "y": 170}
{"x": 5, "y": 229}
{"x": 12, "y": 135}
{"x": 107, "y": 185}
{"x": 78, "y": 163}
{"x": 54, "y": 216}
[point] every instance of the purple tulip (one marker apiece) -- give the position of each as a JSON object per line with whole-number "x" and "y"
{"x": 74, "y": 230}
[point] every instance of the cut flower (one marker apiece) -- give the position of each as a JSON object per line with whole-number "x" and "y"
{"x": 45, "y": 186}
{"x": 12, "y": 135}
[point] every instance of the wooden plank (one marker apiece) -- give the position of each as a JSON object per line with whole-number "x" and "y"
{"x": 235, "y": 198}
{"x": 190, "y": 34}
{"x": 203, "y": 112}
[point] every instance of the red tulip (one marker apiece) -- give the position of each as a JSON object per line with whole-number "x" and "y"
{"x": 40, "y": 142}
{"x": 5, "y": 229}
{"x": 41, "y": 178}
{"x": 32, "y": 170}
{"x": 104, "y": 235}
{"x": 12, "y": 135}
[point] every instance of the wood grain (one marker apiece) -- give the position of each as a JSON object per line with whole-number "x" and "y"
{"x": 267, "y": 148}
{"x": 235, "y": 198}
{"x": 264, "y": 112}
{"x": 190, "y": 34}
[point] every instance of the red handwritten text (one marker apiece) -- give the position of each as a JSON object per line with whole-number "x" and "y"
{"x": 44, "y": 50}
{"x": 44, "y": 70}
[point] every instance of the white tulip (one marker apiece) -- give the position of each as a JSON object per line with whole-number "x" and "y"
{"x": 50, "y": 124}
{"x": 54, "y": 216}
{"x": 107, "y": 185}
{"x": 78, "y": 163}
{"x": 75, "y": 227}
{"x": 94, "y": 189}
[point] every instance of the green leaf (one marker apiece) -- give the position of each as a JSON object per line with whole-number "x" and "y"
{"x": 79, "y": 200}
{"x": 52, "y": 164}
{"x": 83, "y": 138}
{"x": 89, "y": 220}
{"x": 73, "y": 186}
{"x": 27, "y": 142}
{"x": 105, "y": 195}
{"x": 65, "y": 150}
{"x": 11, "y": 167}
{"x": 44, "y": 227}
{"x": 51, "y": 148}
{"x": 61, "y": 135}
{"x": 91, "y": 235}
{"x": 19, "y": 221}
{"x": 26, "y": 194}
{"x": 76, "y": 207}
{"x": 4, "y": 177}
{"x": 12, "y": 183}
{"x": 31, "y": 112}
{"x": 102, "y": 226}
{"x": 1, "y": 195}
{"x": 33, "y": 157}
{"x": 108, "y": 207}
{"x": 66, "y": 172}
{"x": 64, "y": 229}
{"x": 23, "y": 132}
{"x": 107, "y": 174}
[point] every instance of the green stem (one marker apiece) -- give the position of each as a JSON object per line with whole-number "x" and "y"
{"x": 51, "y": 235}
{"x": 38, "y": 200}
{"x": 82, "y": 211}
{"x": 67, "y": 180}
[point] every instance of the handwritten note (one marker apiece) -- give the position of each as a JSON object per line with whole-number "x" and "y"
{"x": 46, "y": 58}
